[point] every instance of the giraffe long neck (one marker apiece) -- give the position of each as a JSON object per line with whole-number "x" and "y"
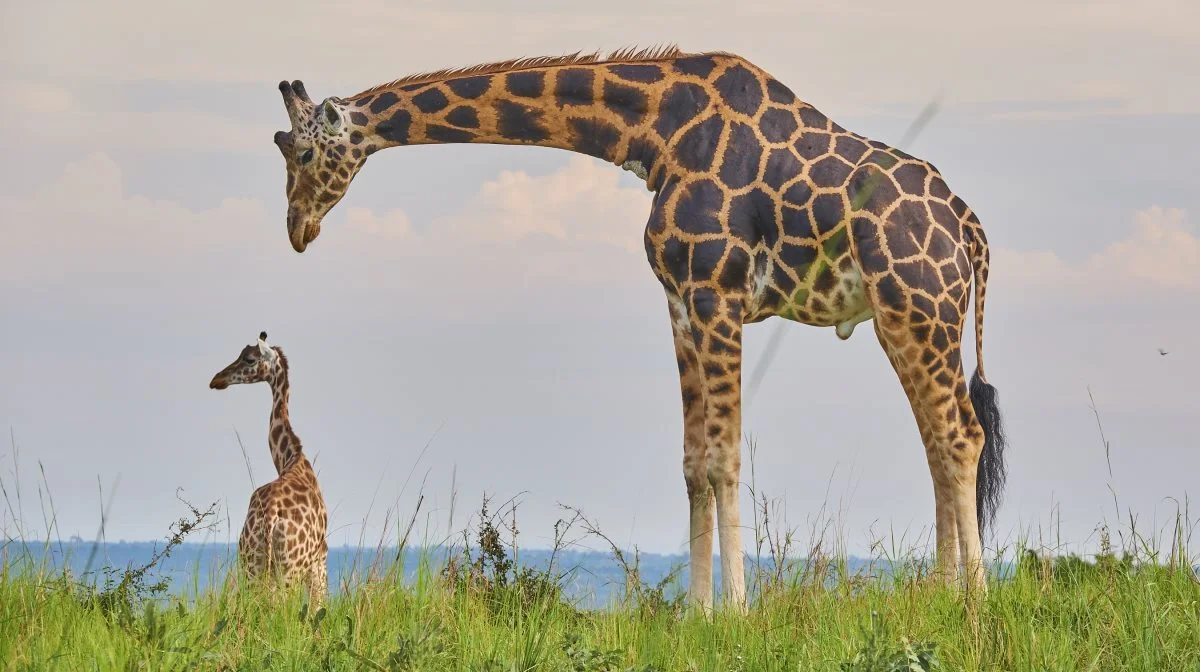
{"x": 285, "y": 445}
{"x": 619, "y": 112}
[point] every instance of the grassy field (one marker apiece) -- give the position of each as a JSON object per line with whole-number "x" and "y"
{"x": 1129, "y": 611}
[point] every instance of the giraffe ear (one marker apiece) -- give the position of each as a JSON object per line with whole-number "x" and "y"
{"x": 264, "y": 350}
{"x": 331, "y": 116}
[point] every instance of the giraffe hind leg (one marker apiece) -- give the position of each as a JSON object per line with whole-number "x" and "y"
{"x": 253, "y": 547}
{"x": 944, "y": 486}
{"x": 933, "y": 380}
{"x": 917, "y": 276}
{"x": 320, "y": 579}
{"x": 317, "y": 584}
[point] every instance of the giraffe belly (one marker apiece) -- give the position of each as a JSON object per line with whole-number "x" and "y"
{"x": 832, "y": 296}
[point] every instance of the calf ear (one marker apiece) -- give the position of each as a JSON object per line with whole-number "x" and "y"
{"x": 266, "y": 351}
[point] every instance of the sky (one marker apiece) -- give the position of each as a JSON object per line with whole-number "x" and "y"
{"x": 482, "y": 319}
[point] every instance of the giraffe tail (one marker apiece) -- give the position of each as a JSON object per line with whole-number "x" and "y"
{"x": 991, "y": 474}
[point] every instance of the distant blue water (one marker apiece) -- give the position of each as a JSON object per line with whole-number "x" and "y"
{"x": 593, "y": 579}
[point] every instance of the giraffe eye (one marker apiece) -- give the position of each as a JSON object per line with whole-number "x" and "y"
{"x": 248, "y": 359}
{"x": 306, "y": 156}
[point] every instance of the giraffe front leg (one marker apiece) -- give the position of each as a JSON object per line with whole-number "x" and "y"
{"x": 695, "y": 464}
{"x": 717, "y": 332}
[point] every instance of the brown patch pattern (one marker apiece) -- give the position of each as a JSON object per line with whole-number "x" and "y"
{"x": 283, "y": 537}
{"x": 763, "y": 207}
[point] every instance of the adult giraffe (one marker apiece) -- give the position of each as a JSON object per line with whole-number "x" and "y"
{"x": 763, "y": 206}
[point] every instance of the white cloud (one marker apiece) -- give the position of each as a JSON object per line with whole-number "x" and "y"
{"x": 391, "y": 224}
{"x": 84, "y": 225}
{"x": 968, "y": 47}
{"x": 83, "y": 119}
{"x": 84, "y": 236}
{"x": 44, "y": 99}
{"x": 1161, "y": 253}
{"x": 583, "y": 201}
{"x": 1086, "y": 106}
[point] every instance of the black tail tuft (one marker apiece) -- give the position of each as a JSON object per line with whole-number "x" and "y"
{"x": 989, "y": 481}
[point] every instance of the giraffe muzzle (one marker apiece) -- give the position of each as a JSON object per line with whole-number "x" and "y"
{"x": 303, "y": 234}
{"x": 301, "y": 230}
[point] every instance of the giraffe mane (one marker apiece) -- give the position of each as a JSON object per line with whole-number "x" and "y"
{"x": 283, "y": 361}
{"x": 624, "y": 55}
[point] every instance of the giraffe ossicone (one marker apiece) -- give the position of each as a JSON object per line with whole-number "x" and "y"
{"x": 283, "y": 536}
{"x": 763, "y": 207}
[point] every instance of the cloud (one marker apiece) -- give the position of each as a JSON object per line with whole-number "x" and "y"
{"x": 966, "y": 47}
{"x": 44, "y": 99}
{"x": 1161, "y": 253}
{"x": 1084, "y": 107}
{"x": 84, "y": 230}
{"x": 391, "y": 224}
{"x": 84, "y": 226}
{"x": 583, "y": 201}
{"x": 83, "y": 238}
{"x": 88, "y": 119}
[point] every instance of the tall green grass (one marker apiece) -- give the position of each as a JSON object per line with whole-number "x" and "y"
{"x": 1133, "y": 605}
{"x": 1128, "y": 612}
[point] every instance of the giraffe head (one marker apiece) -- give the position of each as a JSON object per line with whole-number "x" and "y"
{"x": 320, "y": 163}
{"x": 257, "y": 363}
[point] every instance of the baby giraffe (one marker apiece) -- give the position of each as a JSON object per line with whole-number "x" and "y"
{"x": 285, "y": 524}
